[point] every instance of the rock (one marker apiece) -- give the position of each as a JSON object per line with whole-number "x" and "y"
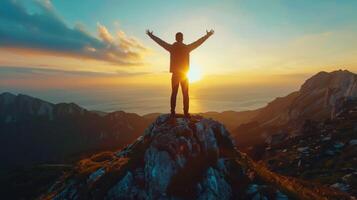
{"x": 276, "y": 138}
{"x": 174, "y": 159}
{"x": 70, "y": 192}
{"x": 261, "y": 192}
{"x": 353, "y": 142}
{"x": 330, "y": 153}
{"x": 338, "y": 145}
{"x": 346, "y": 177}
{"x": 327, "y": 138}
{"x": 96, "y": 175}
{"x": 303, "y": 149}
{"x": 214, "y": 186}
{"x": 159, "y": 169}
{"x": 125, "y": 189}
{"x": 341, "y": 186}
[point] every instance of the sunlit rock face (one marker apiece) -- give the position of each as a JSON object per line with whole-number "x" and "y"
{"x": 315, "y": 100}
{"x": 321, "y": 97}
{"x": 174, "y": 159}
{"x": 319, "y": 94}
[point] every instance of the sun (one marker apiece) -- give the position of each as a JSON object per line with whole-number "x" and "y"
{"x": 194, "y": 75}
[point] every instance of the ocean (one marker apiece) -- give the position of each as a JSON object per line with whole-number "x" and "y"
{"x": 151, "y": 99}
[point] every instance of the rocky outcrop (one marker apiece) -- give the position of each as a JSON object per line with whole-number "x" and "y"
{"x": 176, "y": 159}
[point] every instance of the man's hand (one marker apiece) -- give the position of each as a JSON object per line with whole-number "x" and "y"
{"x": 209, "y": 33}
{"x": 162, "y": 43}
{"x": 149, "y": 33}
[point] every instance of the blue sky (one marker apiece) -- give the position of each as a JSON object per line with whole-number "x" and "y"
{"x": 262, "y": 31}
{"x": 293, "y": 17}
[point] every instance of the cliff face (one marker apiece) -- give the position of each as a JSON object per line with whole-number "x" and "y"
{"x": 176, "y": 159}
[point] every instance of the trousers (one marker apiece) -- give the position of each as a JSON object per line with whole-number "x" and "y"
{"x": 178, "y": 79}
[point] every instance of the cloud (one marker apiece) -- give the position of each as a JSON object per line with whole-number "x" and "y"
{"x": 43, "y": 31}
{"x": 104, "y": 34}
{"x": 34, "y": 72}
{"x": 35, "y": 78}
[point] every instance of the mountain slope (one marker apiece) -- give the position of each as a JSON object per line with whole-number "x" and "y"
{"x": 325, "y": 152}
{"x": 180, "y": 159}
{"x": 315, "y": 100}
{"x": 232, "y": 119}
{"x": 318, "y": 99}
{"x": 34, "y": 131}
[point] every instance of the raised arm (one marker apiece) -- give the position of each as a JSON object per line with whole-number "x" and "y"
{"x": 162, "y": 43}
{"x": 197, "y": 43}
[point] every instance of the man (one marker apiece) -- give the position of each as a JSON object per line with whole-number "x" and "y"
{"x": 179, "y": 65}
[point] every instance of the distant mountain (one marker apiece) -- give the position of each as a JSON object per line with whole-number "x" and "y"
{"x": 181, "y": 159}
{"x": 318, "y": 99}
{"x": 34, "y": 131}
{"x": 315, "y": 100}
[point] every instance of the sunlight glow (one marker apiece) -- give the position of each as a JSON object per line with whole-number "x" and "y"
{"x": 194, "y": 74}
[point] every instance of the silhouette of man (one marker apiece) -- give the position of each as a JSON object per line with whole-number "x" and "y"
{"x": 179, "y": 65}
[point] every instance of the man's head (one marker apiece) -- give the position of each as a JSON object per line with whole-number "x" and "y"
{"x": 179, "y": 37}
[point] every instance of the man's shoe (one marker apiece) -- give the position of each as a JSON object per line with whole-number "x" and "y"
{"x": 172, "y": 119}
{"x": 187, "y": 115}
{"x": 172, "y": 115}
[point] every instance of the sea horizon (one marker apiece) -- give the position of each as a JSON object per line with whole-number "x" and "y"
{"x": 151, "y": 100}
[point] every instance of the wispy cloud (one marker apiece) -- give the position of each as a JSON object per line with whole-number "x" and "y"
{"x": 50, "y": 79}
{"x": 16, "y": 72}
{"x": 44, "y": 31}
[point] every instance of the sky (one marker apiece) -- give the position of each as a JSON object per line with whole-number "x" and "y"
{"x": 78, "y": 50}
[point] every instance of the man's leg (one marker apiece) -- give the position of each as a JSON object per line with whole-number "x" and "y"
{"x": 186, "y": 99}
{"x": 175, "y": 81}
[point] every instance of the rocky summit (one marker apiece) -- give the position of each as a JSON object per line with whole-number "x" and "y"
{"x": 177, "y": 159}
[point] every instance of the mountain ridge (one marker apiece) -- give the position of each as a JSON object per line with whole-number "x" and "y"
{"x": 47, "y": 132}
{"x": 318, "y": 99}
